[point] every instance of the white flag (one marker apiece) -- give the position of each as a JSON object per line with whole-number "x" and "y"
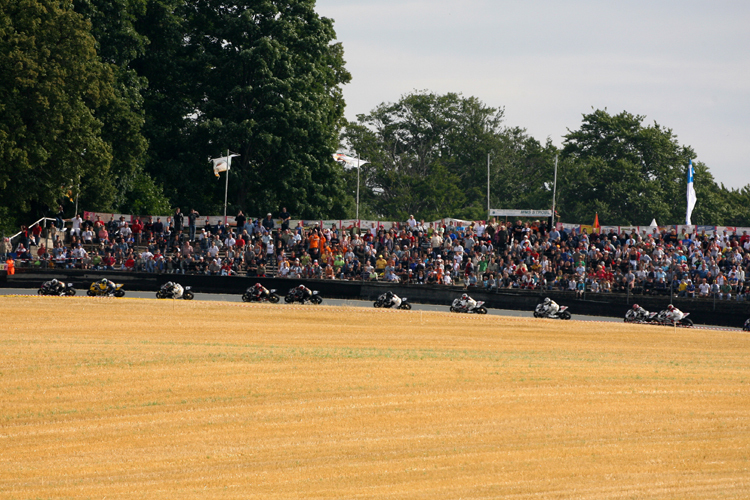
{"x": 222, "y": 164}
{"x": 691, "y": 198}
{"x": 348, "y": 161}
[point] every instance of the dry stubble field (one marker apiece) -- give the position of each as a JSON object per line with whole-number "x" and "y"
{"x": 128, "y": 398}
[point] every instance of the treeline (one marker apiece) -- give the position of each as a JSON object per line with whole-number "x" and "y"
{"x": 119, "y": 104}
{"x": 429, "y": 153}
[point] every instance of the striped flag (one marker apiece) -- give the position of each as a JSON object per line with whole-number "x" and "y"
{"x": 691, "y": 198}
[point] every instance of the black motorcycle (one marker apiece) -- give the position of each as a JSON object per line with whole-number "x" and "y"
{"x": 296, "y": 295}
{"x": 251, "y": 295}
{"x": 386, "y": 302}
{"x": 59, "y": 289}
{"x": 167, "y": 292}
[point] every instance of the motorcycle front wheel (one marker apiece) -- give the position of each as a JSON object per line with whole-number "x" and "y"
{"x": 39, "y": 292}
{"x": 687, "y": 322}
{"x": 481, "y": 310}
{"x": 90, "y": 293}
{"x": 315, "y": 299}
{"x": 374, "y": 304}
{"x": 273, "y": 298}
{"x": 288, "y": 299}
{"x": 70, "y": 292}
{"x": 453, "y": 309}
{"x": 406, "y": 306}
{"x": 188, "y": 296}
{"x": 119, "y": 293}
{"x": 565, "y": 315}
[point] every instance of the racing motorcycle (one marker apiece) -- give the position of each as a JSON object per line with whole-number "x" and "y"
{"x": 62, "y": 289}
{"x": 295, "y": 295}
{"x": 746, "y": 328}
{"x": 251, "y": 295}
{"x": 98, "y": 290}
{"x": 385, "y": 302}
{"x": 562, "y": 313}
{"x": 457, "y": 307}
{"x": 167, "y": 292}
{"x": 663, "y": 319}
{"x": 632, "y": 317}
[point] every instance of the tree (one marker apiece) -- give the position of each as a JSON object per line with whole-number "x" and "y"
{"x": 627, "y": 172}
{"x": 51, "y": 84}
{"x": 429, "y": 158}
{"x": 261, "y": 78}
{"x": 428, "y": 155}
{"x": 119, "y": 44}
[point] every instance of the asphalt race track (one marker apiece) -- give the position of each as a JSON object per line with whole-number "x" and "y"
{"x": 353, "y": 303}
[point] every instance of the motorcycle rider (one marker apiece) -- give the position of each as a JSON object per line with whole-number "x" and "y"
{"x": 392, "y": 300}
{"x": 640, "y": 313}
{"x": 175, "y": 289}
{"x": 54, "y": 285}
{"x": 260, "y": 291}
{"x": 106, "y": 287}
{"x": 550, "y": 307}
{"x": 304, "y": 292}
{"x": 674, "y": 314}
{"x": 467, "y": 303}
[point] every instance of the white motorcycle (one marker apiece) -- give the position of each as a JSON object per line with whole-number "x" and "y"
{"x": 561, "y": 313}
{"x": 457, "y": 307}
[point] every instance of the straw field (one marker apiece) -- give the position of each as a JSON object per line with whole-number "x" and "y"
{"x": 146, "y": 399}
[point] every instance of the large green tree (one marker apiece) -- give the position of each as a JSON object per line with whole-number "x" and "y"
{"x": 429, "y": 156}
{"x": 626, "y": 171}
{"x": 51, "y": 84}
{"x": 260, "y": 78}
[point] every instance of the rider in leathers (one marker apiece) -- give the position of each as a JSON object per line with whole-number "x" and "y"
{"x": 550, "y": 307}
{"x": 467, "y": 302}
{"x": 176, "y": 289}
{"x": 392, "y": 300}
{"x": 674, "y": 314}
{"x": 260, "y": 291}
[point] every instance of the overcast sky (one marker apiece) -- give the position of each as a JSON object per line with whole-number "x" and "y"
{"x": 684, "y": 64}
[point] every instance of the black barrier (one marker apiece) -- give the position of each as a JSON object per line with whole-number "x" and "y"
{"x": 702, "y": 311}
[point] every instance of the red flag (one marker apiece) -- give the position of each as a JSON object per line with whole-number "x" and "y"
{"x": 597, "y": 227}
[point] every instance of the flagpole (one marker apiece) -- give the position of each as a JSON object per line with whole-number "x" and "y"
{"x": 226, "y": 189}
{"x": 357, "y": 186}
{"x": 488, "y": 186}
{"x": 554, "y": 193}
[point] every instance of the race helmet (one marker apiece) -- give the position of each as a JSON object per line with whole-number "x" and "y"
{"x": 670, "y": 307}
{"x": 547, "y": 300}
{"x": 258, "y": 285}
{"x": 54, "y": 281}
{"x": 636, "y": 306}
{"x": 103, "y": 281}
{"x": 465, "y": 296}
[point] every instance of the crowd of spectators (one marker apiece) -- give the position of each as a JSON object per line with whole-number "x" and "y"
{"x": 492, "y": 256}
